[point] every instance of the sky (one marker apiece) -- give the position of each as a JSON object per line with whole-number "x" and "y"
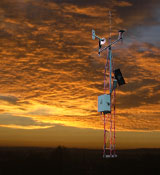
{"x": 51, "y": 74}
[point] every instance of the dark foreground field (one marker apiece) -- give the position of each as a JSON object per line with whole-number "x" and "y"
{"x": 46, "y": 161}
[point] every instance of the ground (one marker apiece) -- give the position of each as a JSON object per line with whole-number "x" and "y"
{"x": 60, "y": 160}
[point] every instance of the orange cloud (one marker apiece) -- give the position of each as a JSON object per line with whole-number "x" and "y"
{"x": 51, "y": 72}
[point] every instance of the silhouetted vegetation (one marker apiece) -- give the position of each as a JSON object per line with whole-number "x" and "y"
{"x": 60, "y": 160}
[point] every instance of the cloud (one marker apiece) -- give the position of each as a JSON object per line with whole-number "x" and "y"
{"x": 51, "y": 72}
{"x": 24, "y": 127}
{"x": 123, "y": 3}
{"x": 20, "y": 122}
{"x": 10, "y": 99}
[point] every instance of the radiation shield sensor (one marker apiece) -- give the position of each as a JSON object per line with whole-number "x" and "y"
{"x": 104, "y": 103}
{"x": 120, "y": 36}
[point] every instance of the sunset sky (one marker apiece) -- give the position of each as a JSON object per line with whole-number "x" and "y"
{"x": 51, "y": 75}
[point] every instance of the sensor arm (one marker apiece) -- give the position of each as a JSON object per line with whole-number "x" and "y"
{"x": 110, "y": 45}
{"x": 97, "y": 37}
{"x": 114, "y": 42}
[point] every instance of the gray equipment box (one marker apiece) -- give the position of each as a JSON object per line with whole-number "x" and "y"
{"x": 104, "y": 103}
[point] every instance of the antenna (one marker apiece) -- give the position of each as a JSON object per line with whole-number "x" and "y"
{"x": 106, "y": 102}
{"x": 110, "y": 26}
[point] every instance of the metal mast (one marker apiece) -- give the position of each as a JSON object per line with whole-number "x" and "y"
{"x": 106, "y": 102}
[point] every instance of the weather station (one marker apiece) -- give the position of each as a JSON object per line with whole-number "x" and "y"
{"x": 107, "y": 101}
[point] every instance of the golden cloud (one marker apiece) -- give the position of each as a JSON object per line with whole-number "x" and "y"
{"x": 50, "y": 72}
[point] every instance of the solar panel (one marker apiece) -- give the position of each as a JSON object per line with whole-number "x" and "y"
{"x": 119, "y": 77}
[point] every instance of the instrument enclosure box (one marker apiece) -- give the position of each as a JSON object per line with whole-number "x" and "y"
{"x": 104, "y": 103}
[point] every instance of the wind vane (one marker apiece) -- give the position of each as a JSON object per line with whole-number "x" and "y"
{"x": 107, "y": 101}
